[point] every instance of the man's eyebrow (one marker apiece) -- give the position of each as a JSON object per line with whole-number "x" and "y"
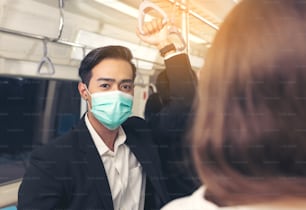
{"x": 113, "y": 80}
{"x": 126, "y": 81}
{"x": 106, "y": 79}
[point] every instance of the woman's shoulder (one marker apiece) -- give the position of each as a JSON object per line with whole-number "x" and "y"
{"x": 195, "y": 201}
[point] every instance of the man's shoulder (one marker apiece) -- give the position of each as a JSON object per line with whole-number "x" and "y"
{"x": 138, "y": 128}
{"x": 135, "y": 122}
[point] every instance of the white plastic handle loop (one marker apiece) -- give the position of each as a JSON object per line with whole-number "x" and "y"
{"x": 45, "y": 60}
{"x": 49, "y": 65}
{"x": 144, "y": 8}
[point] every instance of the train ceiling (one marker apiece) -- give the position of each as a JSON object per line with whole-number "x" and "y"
{"x": 211, "y": 11}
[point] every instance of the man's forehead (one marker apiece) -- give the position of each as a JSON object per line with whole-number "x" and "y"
{"x": 102, "y": 74}
{"x": 114, "y": 69}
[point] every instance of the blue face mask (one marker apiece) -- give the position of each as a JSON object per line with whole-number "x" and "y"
{"x": 111, "y": 108}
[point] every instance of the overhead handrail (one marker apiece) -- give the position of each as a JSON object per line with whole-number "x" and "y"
{"x": 61, "y": 20}
{"x": 40, "y": 37}
{"x": 194, "y": 14}
{"x": 45, "y": 61}
{"x": 60, "y": 42}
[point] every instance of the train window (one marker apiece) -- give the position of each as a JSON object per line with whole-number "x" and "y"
{"x": 32, "y": 112}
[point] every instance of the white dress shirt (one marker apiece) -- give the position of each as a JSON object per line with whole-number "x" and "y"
{"x": 125, "y": 176}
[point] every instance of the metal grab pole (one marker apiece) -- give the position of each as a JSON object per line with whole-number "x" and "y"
{"x": 194, "y": 14}
{"x": 61, "y": 42}
{"x": 185, "y": 26}
{"x": 39, "y": 37}
{"x": 61, "y": 20}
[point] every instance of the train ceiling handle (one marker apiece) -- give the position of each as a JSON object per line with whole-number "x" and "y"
{"x": 49, "y": 65}
{"x": 45, "y": 61}
{"x": 144, "y": 8}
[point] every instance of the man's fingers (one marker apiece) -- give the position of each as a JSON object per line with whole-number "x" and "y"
{"x": 153, "y": 26}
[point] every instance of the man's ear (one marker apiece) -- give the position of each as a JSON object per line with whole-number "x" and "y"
{"x": 82, "y": 90}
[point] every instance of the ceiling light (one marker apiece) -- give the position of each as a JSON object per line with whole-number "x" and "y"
{"x": 128, "y": 10}
{"x": 121, "y": 7}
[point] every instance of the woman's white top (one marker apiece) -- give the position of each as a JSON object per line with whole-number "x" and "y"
{"x": 196, "y": 201}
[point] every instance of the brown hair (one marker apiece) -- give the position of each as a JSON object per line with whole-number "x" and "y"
{"x": 95, "y": 56}
{"x": 249, "y": 133}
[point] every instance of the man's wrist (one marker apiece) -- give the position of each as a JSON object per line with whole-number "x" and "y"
{"x": 168, "y": 49}
{"x": 163, "y": 44}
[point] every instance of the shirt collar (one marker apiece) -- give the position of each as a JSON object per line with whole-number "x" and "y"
{"x": 100, "y": 145}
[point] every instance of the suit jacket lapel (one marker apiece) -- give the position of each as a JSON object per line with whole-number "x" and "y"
{"x": 94, "y": 168}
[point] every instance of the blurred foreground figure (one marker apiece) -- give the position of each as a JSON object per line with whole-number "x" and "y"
{"x": 249, "y": 128}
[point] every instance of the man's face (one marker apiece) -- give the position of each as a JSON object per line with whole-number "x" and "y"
{"x": 109, "y": 75}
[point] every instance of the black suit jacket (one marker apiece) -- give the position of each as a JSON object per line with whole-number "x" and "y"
{"x": 68, "y": 173}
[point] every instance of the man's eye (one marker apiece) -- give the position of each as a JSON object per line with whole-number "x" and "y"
{"x": 126, "y": 87}
{"x": 105, "y": 85}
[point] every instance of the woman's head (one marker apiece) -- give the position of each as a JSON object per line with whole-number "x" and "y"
{"x": 250, "y": 127}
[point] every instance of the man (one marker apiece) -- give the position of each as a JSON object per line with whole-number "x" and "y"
{"x": 169, "y": 115}
{"x": 107, "y": 161}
